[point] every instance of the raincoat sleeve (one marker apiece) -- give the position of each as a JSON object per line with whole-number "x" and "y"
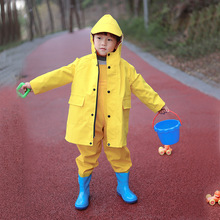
{"x": 144, "y": 92}
{"x": 53, "y": 79}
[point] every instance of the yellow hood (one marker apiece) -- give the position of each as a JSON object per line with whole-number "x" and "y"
{"x": 107, "y": 24}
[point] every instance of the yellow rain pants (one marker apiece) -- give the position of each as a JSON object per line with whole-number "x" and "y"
{"x": 119, "y": 158}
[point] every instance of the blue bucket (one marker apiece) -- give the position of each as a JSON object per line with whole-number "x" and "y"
{"x": 168, "y": 130}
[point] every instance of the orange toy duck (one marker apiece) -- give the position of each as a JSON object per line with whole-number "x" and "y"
{"x": 165, "y": 150}
{"x": 213, "y": 199}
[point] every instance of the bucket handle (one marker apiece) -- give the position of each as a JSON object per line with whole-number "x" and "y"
{"x": 168, "y": 111}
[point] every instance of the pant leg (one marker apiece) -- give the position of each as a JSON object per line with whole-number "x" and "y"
{"x": 88, "y": 158}
{"x": 119, "y": 158}
{"x": 89, "y": 155}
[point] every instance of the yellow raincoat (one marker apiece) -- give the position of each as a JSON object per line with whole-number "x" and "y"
{"x": 83, "y": 73}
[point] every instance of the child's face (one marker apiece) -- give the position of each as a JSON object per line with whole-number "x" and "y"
{"x": 104, "y": 44}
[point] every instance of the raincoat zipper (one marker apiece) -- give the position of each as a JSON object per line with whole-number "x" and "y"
{"x": 96, "y": 99}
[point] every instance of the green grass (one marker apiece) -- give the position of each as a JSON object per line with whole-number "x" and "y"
{"x": 161, "y": 38}
{"x": 10, "y": 45}
{"x": 154, "y": 35}
{"x": 195, "y": 49}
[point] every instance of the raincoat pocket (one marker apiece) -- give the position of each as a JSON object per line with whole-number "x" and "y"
{"x": 126, "y": 103}
{"x": 76, "y": 100}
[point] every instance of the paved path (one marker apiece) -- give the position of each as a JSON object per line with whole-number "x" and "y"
{"x": 209, "y": 87}
{"x": 37, "y": 166}
{"x": 12, "y": 63}
{"x": 12, "y": 60}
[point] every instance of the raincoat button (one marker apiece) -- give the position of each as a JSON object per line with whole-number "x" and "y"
{"x": 91, "y": 114}
{"x": 109, "y": 116}
{"x": 94, "y": 89}
{"x": 108, "y": 144}
{"x": 108, "y": 91}
{"x": 109, "y": 54}
{"x": 109, "y": 67}
{"x": 90, "y": 143}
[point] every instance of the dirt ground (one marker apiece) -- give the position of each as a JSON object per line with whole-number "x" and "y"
{"x": 206, "y": 68}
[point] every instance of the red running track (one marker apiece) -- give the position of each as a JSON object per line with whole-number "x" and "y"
{"x": 37, "y": 166}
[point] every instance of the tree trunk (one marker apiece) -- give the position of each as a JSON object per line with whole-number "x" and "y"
{"x": 3, "y": 22}
{"x": 77, "y": 11}
{"x": 82, "y": 14}
{"x": 140, "y": 8}
{"x": 16, "y": 22}
{"x": 145, "y": 13}
{"x": 31, "y": 18}
{"x": 35, "y": 24}
{"x": 63, "y": 22}
{"x": 38, "y": 19}
{"x": 51, "y": 16}
{"x": 136, "y": 3}
{"x": 131, "y": 6}
{"x": 71, "y": 16}
{"x": 9, "y": 31}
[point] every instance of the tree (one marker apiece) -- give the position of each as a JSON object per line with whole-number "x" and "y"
{"x": 77, "y": 12}
{"x": 71, "y": 16}
{"x": 63, "y": 21}
{"x": 135, "y": 7}
{"x": 38, "y": 18}
{"x": 3, "y": 22}
{"x": 145, "y": 13}
{"x": 17, "y": 33}
{"x": 74, "y": 7}
{"x": 9, "y": 30}
{"x": 29, "y": 8}
{"x": 82, "y": 9}
{"x": 50, "y": 15}
{"x": 131, "y": 6}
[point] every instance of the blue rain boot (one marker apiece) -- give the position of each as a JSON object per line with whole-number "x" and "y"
{"x": 82, "y": 201}
{"x": 123, "y": 188}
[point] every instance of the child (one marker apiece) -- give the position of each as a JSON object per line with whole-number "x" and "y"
{"x": 100, "y": 102}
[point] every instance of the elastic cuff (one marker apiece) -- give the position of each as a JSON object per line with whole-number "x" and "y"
{"x": 85, "y": 174}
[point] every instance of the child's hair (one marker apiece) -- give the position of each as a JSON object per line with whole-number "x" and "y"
{"x": 112, "y": 35}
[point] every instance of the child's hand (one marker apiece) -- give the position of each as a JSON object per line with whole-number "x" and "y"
{"x": 164, "y": 110}
{"x": 26, "y": 86}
